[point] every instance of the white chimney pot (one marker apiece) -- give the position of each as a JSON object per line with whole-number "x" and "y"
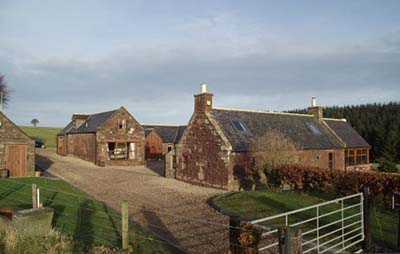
{"x": 313, "y": 102}
{"x": 203, "y": 88}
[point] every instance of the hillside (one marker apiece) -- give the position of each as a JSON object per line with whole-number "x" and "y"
{"x": 46, "y": 134}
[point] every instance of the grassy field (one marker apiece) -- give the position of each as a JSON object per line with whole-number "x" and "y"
{"x": 77, "y": 215}
{"x": 261, "y": 204}
{"x": 46, "y": 134}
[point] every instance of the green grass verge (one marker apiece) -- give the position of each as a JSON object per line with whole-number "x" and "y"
{"x": 374, "y": 166}
{"x": 77, "y": 215}
{"x": 46, "y": 134}
{"x": 260, "y": 204}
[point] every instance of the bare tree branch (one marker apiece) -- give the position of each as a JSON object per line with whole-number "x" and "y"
{"x": 4, "y": 90}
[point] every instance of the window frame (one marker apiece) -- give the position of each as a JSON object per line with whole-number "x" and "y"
{"x": 241, "y": 124}
{"x": 356, "y": 156}
{"x": 121, "y": 124}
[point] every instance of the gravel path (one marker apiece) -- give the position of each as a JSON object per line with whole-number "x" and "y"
{"x": 180, "y": 209}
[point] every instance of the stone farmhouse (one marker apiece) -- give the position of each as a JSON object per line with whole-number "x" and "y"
{"x": 107, "y": 138}
{"x": 217, "y": 142}
{"x": 161, "y": 139}
{"x": 17, "y": 150}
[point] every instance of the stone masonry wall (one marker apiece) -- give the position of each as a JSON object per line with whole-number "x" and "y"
{"x": 110, "y": 132}
{"x": 155, "y": 145}
{"x": 320, "y": 158}
{"x": 200, "y": 159}
{"x": 82, "y": 145}
{"x": 11, "y": 134}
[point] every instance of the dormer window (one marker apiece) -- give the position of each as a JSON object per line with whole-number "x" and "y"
{"x": 122, "y": 124}
{"x": 239, "y": 125}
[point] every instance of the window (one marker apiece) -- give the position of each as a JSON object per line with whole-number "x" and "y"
{"x": 356, "y": 157}
{"x": 239, "y": 126}
{"x": 132, "y": 151}
{"x": 121, "y": 150}
{"x": 121, "y": 124}
{"x": 331, "y": 160}
{"x": 313, "y": 128}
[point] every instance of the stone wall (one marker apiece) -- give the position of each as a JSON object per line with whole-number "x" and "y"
{"x": 200, "y": 155}
{"x": 154, "y": 146}
{"x": 133, "y": 132}
{"x": 82, "y": 145}
{"x": 320, "y": 158}
{"x": 11, "y": 134}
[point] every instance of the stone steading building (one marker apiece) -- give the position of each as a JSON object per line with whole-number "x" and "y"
{"x": 216, "y": 144}
{"x": 17, "y": 150}
{"x": 107, "y": 138}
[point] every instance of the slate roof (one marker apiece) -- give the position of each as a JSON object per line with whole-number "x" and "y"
{"x": 304, "y": 130}
{"x": 347, "y": 133}
{"x": 66, "y": 129}
{"x": 93, "y": 123}
{"x": 169, "y": 134}
{"x": 179, "y": 133}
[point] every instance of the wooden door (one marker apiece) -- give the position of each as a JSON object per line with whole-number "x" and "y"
{"x": 61, "y": 145}
{"x": 16, "y": 159}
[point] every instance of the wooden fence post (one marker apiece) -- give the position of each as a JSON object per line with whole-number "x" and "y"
{"x": 281, "y": 240}
{"x": 286, "y": 247}
{"x": 289, "y": 241}
{"x": 234, "y": 234}
{"x": 296, "y": 242}
{"x": 34, "y": 196}
{"x": 367, "y": 219}
{"x": 125, "y": 228}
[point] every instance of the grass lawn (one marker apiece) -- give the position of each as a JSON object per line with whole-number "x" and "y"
{"x": 260, "y": 204}
{"x": 46, "y": 134}
{"x": 375, "y": 166}
{"x": 76, "y": 214}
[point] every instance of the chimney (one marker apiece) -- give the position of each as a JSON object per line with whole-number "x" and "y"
{"x": 203, "y": 101}
{"x": 315, "y": 110}
{"x": 78, "y": 120}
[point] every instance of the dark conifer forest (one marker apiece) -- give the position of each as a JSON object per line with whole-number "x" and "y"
{"x": 378, "y": 124}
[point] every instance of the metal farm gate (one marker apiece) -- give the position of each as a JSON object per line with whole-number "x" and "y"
{"x": 334, "y": 226}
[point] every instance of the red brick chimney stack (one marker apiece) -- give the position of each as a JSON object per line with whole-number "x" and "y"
{"x": 315, "y": 110}
{"x": 203, "y": 101}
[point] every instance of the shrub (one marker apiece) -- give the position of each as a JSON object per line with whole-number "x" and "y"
{"x": 387, "y": 166}
{"x": 341, "y": 182}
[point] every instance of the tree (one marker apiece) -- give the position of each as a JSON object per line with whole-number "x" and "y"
{"x": 390, "y": 145}
{"x": 4, "y": 90}
{"x": 272, "y": 151}
{"x": 34, "y": 122}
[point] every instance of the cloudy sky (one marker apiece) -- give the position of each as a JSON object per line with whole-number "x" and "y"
{"x": 61, "y": 57}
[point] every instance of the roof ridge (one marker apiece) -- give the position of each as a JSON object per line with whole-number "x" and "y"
{"x": 160, "y": 125}
{"x": 335, "y": 119}
{"x": 263, "y": 112}
{"x": 98, "y": 113}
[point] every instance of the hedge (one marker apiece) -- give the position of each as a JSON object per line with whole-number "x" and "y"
{"x": 342, "y": 182}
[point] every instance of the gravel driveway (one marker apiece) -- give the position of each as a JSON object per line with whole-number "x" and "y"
{"x": 174, "y": 202}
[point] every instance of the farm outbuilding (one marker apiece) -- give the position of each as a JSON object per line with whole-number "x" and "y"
{"x": 107, "y": 138}
{"x": 17, "y": 150}
{"x": 161, "y": 139}
{"x": 217, "y": 144}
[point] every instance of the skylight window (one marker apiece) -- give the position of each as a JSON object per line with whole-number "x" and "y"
{"x": 313, "y": 128}
{"x": 239, "y": 126}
